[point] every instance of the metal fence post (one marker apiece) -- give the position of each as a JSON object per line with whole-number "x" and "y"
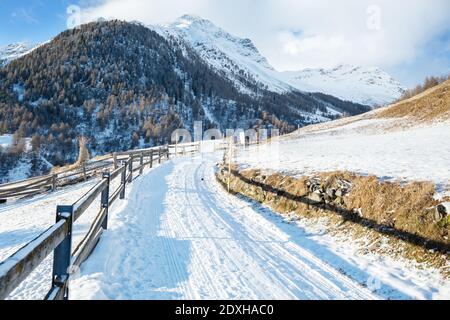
{"x": 105, "y": 199}
{"x": 141, "y": 162}
{"x": 61, "y": 255}
{"x": 130, "y": 168}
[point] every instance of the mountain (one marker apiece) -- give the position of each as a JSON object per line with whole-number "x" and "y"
{"x": 14, "y": 51}
{"x": 237, "y": 58}
{"x": 241, "y": 62}
{"x": 123, "y": 86}
{"x": 365, "y": 85}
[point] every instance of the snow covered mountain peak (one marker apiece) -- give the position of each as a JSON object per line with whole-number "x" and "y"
{"x": 189, "y": 19}
{"x": 237, "y": 57}
{"x": 13, "y": 51}
{"x": 240, "y": 60}
{"x": 366, "y": 85}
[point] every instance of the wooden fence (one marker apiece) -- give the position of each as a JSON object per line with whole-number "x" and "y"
{"x": 58, "y": 238}
{"x": 43, "y": 184}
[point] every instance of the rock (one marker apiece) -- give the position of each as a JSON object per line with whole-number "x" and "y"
{"x": 440, "y": 212}
{"x": 357, "y": 212}
{"x": 339, "y": 193}
{"x": 316, "y": 197}
{"x": 331, "y": 193}
{"x": 339, "y": 201}
{"x": 344, "y": 184}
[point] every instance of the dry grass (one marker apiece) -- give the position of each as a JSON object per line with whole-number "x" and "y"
{"x": 408, "y": 208}
{"x": 431, "y": 105}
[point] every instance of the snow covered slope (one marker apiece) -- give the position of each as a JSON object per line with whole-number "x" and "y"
{"x": 238, "y": 58}
{"x": 14, "y": 51}
{"x": 400, "y": 142}
{"x": 241, "y": 61}
{"x": 365, "y": 85}
{"x": 416, "y": 154}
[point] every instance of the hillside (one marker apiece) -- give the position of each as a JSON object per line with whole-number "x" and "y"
{"x": 430, "y": 106}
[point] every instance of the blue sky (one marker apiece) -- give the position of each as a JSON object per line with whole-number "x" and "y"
{"x": 410, "y": 39}
{"x": 31, "y": 20}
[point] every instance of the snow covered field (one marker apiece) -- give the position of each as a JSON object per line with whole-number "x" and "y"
{"x": 178, "y": 235}
{"x": 363, "y": 147}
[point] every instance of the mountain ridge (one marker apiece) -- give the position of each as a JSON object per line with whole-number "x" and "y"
{"x": 233, "y": 56}
{"x": 225, "y": 52}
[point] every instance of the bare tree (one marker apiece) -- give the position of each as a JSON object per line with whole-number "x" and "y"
{"x": 83, "y": 155}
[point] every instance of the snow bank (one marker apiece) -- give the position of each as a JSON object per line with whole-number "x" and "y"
{"x": 416, "y": 154}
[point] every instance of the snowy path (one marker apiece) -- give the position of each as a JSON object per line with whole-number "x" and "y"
{"x": 178, "y": 237}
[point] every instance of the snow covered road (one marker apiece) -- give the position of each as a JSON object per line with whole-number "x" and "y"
{"x": 180, "y": 236}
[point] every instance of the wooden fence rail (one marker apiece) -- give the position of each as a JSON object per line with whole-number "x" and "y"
{"x": 51, "y": 182}
{"x": 58, "y": 238}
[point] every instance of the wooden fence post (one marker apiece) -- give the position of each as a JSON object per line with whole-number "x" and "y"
{"x": 159, "y": 155}
{"x": 105, "y": 199}
{"x": 84, "y": 172}
{"x": 151, "y": 159}
{"x": 115, "y": 160}
{"x": 123, "y": 181}
{"x": 54, "y": 182}
{"x": 62, "y": 254}
{"x": 130, "y": 168}
{"x": 141, "y": 162}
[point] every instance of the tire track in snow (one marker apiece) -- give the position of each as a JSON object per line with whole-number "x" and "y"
{"x": 269, "y": 252}
{"x": 185, "y": 238}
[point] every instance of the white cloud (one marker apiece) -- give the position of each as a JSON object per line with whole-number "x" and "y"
{"x": 295, "y": 34}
